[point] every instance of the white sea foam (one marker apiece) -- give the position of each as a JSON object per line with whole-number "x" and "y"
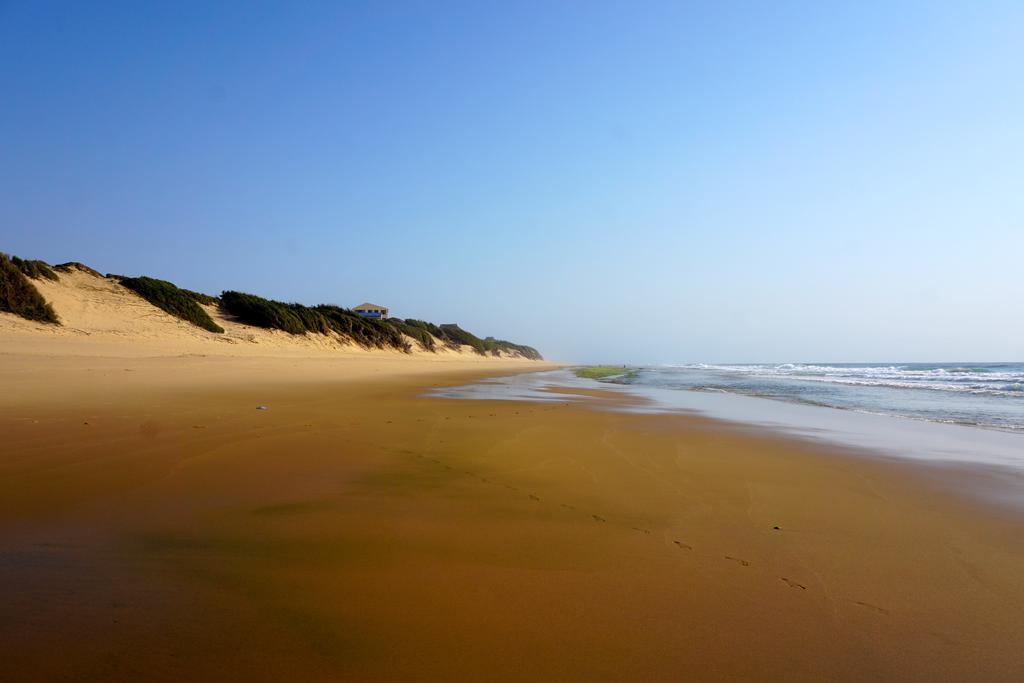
{"x": 999, "y": 380}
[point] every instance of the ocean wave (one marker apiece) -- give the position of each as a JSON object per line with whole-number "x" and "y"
{"x": 1010, "y": 389}
{"x": 1001, "y": 380}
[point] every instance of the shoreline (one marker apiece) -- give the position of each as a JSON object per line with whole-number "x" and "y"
{"x": 884, "y": 436}
{"x": 358, "y": 530}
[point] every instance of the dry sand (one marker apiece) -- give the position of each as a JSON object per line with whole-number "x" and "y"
{"x": 154, "y": 525}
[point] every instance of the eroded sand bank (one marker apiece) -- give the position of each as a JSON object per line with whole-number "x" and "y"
{"x": 155, "y": 525}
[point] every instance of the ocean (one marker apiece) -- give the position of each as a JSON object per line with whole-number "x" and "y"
{"x": 987, "y": 395}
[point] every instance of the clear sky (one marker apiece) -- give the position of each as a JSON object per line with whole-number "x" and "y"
{"x": 624, "y": 182}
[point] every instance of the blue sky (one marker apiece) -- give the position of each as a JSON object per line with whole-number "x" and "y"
{"x": 626, "y": 182}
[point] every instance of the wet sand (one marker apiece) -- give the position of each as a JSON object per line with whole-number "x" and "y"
{"x": 154, "y": 525}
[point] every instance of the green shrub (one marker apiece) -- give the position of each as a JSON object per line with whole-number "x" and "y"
{"x": 322, "y": 319}
{"x": 178, "y": 302}
{"x": 419, "y": 332}
{"x": 19, "y": 296}
{"x": 260, "y": 312}
{"x": 456, "y": 336}
{"x": 366, "y": 332}
{"x": 35, "y": 269}
{"x": 434, "y": 331}
{"x": 453, "y": 337}
{"x": 72, "y": 266}
{"x": 495, "y": 345}
{"x": 202, "y": 298}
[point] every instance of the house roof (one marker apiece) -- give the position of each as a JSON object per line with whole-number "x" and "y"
{"x": 370, "y": 307}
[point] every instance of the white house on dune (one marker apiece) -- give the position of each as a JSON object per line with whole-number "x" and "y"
{"x": 371, "y": 311}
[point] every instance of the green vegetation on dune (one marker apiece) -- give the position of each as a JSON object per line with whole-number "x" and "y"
{"x": 19, "y": 296}
{"x": 367, "y": 332}
{"x": 322, "y": 319}
{"x": 455, "y": 336}
{"x": 603, "y": 371}
{"x": 389, "y": 333}
{"x": 495, "y": 345}
{"x": 416, "y": 329}
{"x": 35, "y": 269}
{"x": 168, "y": 297}
{"x": 260, "y": 312}
{"x": 204, "y": 299}
{"x": 72, "y": 266}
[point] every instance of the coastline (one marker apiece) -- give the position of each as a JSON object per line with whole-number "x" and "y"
{"x": 358, "y": 530}
{"x": 991, "y": 459}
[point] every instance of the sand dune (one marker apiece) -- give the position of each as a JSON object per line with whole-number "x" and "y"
{"x": 101, "y": 318}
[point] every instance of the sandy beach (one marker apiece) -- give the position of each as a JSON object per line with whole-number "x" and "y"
{"x": 154, "y": 524}
{"x": 569, "y": 342}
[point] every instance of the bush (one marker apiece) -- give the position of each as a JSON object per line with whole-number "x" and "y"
{"x": 322, "y": 319}
{"x": 35, "y": 269}
{"x": 19, "y": 296}
{"x": 419, "y": 332}
{"x": 456, "y": 336}
{"x": 178, "y": 302}
{"x": 495, "y": 345}
{"x": 431, "y": 329}
{"x": 254, "y": 310}
{"x": 202, "y": 298}
{"x": 72, "y": 266}
{"x": 366, "y": 332}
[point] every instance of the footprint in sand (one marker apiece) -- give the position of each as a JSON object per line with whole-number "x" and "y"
{"x": 643, "y": 531}
{"x": 533, "y": 497}
{"x": 682, "y": 545}
{"x": 567, "y": 507}
{"x": 875, "y": 608}
{"x": 736, "y": 559}
{"x": 599, "y": 518}
{"x": 792, "y": 584}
